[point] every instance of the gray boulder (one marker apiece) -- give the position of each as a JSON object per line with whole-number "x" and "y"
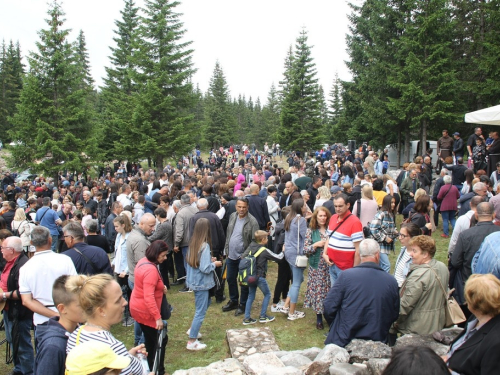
{"x": 348, "y": 369}
{"x": 288, "y": 370}
{"x": 377, "y": 365}
{"x": 229, "y": 366}
{"x": 361, "y": 351}
{"x": 310, "y": 353}
{"x": 420, "y": 340}
{"x": 296, "y": 360}
{"x": 328, "y": 356}
{"x": 259, "y": 363}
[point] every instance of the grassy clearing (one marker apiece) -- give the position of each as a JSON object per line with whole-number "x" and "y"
{"x": 290, "y": 335}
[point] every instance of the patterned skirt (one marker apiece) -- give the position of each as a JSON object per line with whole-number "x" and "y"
{"x": 318, "y": 285}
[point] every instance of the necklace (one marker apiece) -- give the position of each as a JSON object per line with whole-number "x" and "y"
{"x": 96, "y": 326}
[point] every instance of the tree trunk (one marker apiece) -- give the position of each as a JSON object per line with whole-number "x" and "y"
{"x": 398, "y": 147}
{"x": 159, "y": 163}
{"x": 423, "y": 142}
{"x": 407, "y": 145}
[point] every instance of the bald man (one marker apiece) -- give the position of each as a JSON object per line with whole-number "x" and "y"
{"x": 258, "y": 207}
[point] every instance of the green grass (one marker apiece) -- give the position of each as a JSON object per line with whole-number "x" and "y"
{"x": 290, "y": 335}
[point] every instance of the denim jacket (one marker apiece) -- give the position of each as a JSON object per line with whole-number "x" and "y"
{"x": 201, "y": 278}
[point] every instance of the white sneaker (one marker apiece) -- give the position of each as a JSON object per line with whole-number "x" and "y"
{"x": 189, "y": 331}
{"x": 295, "y": 316}
{"x": 283, "y": 309}
{"x": 195, "y": 345}
{"x": 275, "y": 309}
{"x": 281, "y": 303}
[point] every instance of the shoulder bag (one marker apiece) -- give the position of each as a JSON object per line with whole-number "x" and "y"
{"x": 366, "y": 229}
{"x": 301, "y": 260}
{"x": 453, "y": 312}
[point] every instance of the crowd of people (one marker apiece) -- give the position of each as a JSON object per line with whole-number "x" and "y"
{"x": 79, "y": 256}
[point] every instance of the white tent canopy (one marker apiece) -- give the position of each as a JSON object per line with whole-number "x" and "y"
{"x": 485, "y": 116}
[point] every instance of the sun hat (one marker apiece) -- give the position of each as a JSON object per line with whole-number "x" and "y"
{"x": 92, "y": 356}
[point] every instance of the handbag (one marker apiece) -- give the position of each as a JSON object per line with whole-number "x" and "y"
{"x": 366, "y": 229}
{"x": 166, "y": 308}
{"x": 453, "y": 312}
{"x": 301, "y": 260}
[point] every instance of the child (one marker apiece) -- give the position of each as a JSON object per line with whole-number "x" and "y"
{"x": 52, "y": 336}
{"x": 261, "y": 263}
{"x": 85, "y": 219}
{"x": 139, "y": 208}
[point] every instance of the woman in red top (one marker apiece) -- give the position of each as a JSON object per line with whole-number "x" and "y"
{"x": 448, "y": 196}
{"x": 146, "y": 298}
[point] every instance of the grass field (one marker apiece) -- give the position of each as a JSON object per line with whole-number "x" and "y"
{"x": 290, "y": 335}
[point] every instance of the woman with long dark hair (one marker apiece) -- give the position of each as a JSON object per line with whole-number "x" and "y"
{"x": 383, "y": 230}
{"x": 200, "y": 278}
{"x": 419, "y": 214}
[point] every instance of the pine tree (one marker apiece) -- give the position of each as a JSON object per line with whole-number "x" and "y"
{"x": 82, "y": 60}
{"x": 163, "y": 112}
{"x": 118, "y": 138}
{"x": 217, "y": 109}
{"x": 300, "y": 126}
{"x": 51, "y": 124}
{"x": 335, "y": 108}
{"x": 271, "y": 115}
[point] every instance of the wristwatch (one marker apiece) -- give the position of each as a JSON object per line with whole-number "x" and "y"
{"x": 4, "y": 296}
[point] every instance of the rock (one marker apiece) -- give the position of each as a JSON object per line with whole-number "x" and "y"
{"x": 361, "y": 351}
{"x": 333, "y": 354}
{"x": 181, "y": 372}
{"x": 247, "y": 341}
{"x": 328, "y": 356}
{"x": 281, "y": 353}
{"x": 451, "y": 333}
{"x": 310, "y": 353}
{"x": 296, "y": 360}
{"x": 251, "y": 351}
{"x": 420, "y": 340}
{"x": 229, "y": 366}
{"x": 259, "y": 363}
{"x": 377, "y": 365}
{"x": 201, "y": 371}
{"x": 347, "y": 369}
{"x": 288, "y": 370}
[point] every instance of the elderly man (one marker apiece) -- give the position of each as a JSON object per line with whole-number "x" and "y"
{"x": 137, "y": 243}
{"x": 88, "y": 259}
{"x": 364, "y": 301}
{"x": 37, "y": 276}
{"x": 181, "y": 234}
{"x": 444, "y": 148}
{"x": 463, "y": 223}
{"x": 88, "y": 202}
{"x": 17, "y": 318}
{"x": 408, "y": 188}
{"x": 258, "y": 207}
{"x": 240, "y": 232}
{"x": 469, "y": 242}
{"x": 479, "y": 189}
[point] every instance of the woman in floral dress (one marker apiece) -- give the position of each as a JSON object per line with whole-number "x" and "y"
{"x": 318, "y": 283}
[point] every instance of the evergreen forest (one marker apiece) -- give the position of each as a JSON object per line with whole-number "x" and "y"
{"x": 416, "y": 67}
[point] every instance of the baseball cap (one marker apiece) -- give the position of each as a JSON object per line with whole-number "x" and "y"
{"x": 92, "y": 356}
{"x": 335, "y": 189}
{"x": 456, "y": 133}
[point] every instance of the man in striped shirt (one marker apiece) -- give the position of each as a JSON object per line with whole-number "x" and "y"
{"x": 345, "y": 231}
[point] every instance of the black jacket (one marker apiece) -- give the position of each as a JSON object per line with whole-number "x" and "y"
{"x": 95, "y": 255}
{"x": 263, "y": 257}
{"x": 51, "y": 348}
{"x": 216, "y": 230}
{"x": 355, "y": 195}
{"x": 479, "y": 354}
{"x": 258, "y": 209}
{"x": 15, "y": 306}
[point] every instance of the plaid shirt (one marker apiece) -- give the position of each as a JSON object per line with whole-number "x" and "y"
{"x": 381, "y": 227}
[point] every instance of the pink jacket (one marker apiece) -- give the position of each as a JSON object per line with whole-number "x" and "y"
{"x": 145, "y": 301}
{"x": 239, "y": 180}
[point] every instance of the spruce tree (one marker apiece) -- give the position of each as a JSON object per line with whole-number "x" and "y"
{"x": 51, "y": 124}
{"x": 271, "y": 115}
{"x": 118, "y": 138}
{"x": 217, "y": 109}
{"x": 163, "y": 114}
{"x": 300, "y": 125}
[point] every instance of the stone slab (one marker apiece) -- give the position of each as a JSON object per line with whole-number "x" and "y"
{"x": 249, "y": 341}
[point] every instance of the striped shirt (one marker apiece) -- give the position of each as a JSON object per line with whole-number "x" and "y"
{"x": 135, "y": 367}
{"x": 341, "y": 248}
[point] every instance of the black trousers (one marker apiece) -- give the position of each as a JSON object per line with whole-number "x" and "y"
{"x": 179, "y": 264}
{"x": 151, "y": 340}
{"x": 283, "y": 282}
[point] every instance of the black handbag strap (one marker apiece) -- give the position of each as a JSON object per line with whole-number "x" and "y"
{"x": 89, "y": 262}
{"x": 358, "y": 210}
{"x": 340, "y": 224}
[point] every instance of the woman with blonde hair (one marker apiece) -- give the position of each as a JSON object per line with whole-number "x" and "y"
{"x": 367, "y": 206}
{"x": 101, "y": 300}
{"x": 22, "y": 226}
{"x": 323, "y": 196}
{"x": 200, "y": 278}
{"x": 391, "y": 187}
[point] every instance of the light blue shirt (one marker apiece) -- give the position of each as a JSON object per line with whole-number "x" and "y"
{"x": 487, "y": 258}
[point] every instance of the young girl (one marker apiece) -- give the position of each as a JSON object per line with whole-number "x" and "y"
{"x": 200, "y": 269}
{"x": 86, "y": 217}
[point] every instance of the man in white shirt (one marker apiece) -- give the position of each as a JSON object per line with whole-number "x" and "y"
{"x": 463, "y": 223}
{"x": 37, "y": 277}
{"x": 124, "y": 197}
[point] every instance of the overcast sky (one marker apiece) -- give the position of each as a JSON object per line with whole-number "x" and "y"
{"x": 249, "y": 38}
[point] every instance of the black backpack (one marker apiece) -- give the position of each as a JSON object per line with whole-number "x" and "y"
{"x": 247, "y": 270}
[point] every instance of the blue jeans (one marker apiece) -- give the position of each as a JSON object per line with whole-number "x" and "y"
{"x": 384, "y": 262}
{"x": 252, "y": 290}
{"x": 138, "y": 335}
{"x": 232, "y": 282}
{"x": 55, "y": 238}
{"x": 201, "y": 303}
{"x": 448, "y": 218}
{"x": 334, "y": 274}
{"x": 184, "y": 251}
{"x": 297, "y": 279}
{"x": 24, "y": 359}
